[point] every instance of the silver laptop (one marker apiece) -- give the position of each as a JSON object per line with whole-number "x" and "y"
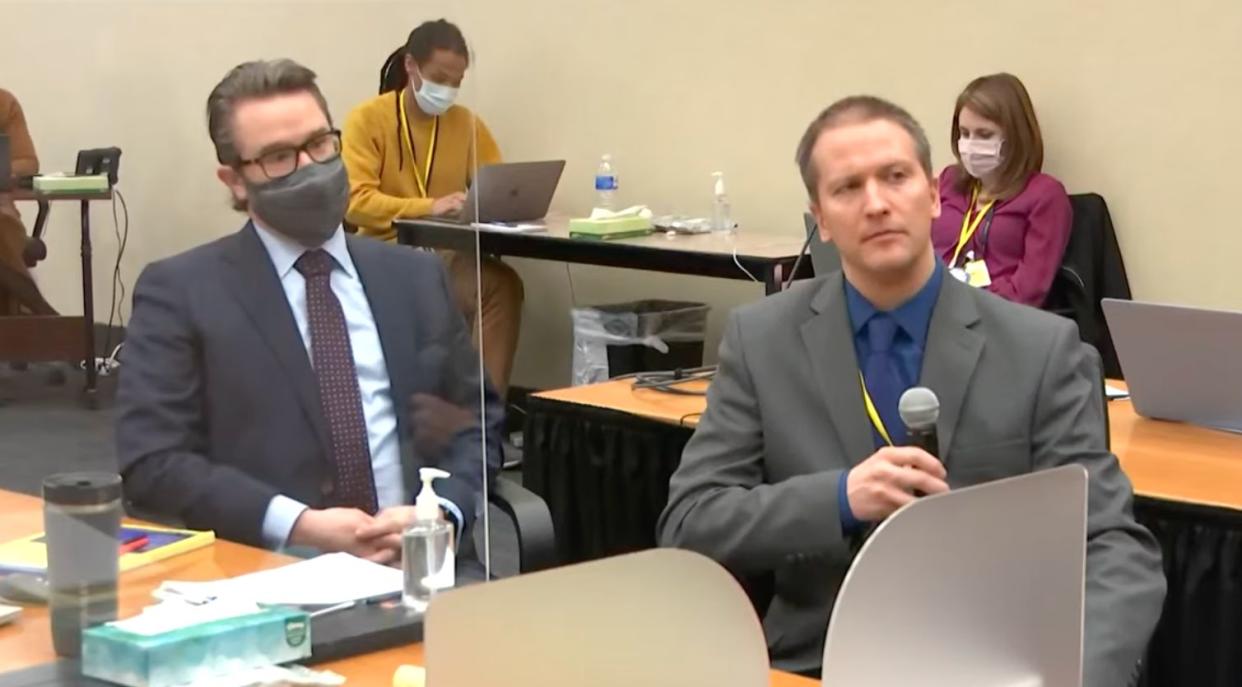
{"x": 824, "y": 256}
{"x": 511, "y": 192}
{"x": 1180, "y": 362}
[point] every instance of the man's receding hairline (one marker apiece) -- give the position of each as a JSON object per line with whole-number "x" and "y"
{"x": 858, "y": 116}
{"x": 861, "y": 119}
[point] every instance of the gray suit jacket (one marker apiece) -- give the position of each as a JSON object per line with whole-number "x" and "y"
{"x": 219, "y": 407}
{"x": 757, "y": 486}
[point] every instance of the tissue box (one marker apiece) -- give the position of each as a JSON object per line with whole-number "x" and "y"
{"x": 180, "y": 656}
{"x": 71, "y": 184}
{"x": 609, "y": 228}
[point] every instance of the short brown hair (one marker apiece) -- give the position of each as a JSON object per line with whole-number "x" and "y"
{"x": 251, "y": 81}
{"x": 1003, "y": 99}
{"x": 858, "y": 109}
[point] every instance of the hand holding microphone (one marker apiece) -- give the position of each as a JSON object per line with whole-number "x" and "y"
{"x": 896, "y": 475}
{"x": 919, "y": 409}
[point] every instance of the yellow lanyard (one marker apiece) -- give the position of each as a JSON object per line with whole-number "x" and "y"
{"x": 872, "y": 412}
{"x": 969, "y": 227}
{"x": 424, "y": 178}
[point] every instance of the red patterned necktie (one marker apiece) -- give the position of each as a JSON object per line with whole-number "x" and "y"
{"x": 333, "y": 360}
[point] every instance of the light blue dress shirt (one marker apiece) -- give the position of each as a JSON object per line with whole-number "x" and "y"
{"x": 378, "y": 409}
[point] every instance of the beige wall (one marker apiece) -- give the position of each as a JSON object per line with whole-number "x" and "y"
{"x": 136, "y": 75}
{"x": 1139, "y": 101}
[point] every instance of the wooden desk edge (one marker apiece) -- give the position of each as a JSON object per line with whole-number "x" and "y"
{"x": 619, "y": 396}
{"x": 771, "y": 249}
{"x": 23, "y": 515}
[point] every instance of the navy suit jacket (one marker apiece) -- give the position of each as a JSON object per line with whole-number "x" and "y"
{"x": 219, "y": 408}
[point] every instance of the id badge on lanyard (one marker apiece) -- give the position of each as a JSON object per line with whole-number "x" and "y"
{"x": 975, "y": 271}
{"x": 423, "y": 179}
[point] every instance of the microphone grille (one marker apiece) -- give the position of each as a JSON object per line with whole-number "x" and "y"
{"x": 919, "y": 408}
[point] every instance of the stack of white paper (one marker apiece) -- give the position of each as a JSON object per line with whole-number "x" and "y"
{"x": 326, "y": 580}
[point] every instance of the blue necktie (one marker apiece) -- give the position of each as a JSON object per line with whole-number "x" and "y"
{"x": 883, "y": 376}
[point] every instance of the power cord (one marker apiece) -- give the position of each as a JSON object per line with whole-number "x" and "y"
{"x": 573, "y": 296}
{"x": 116, "y": 311}
{"x": 669, "y": 381}
{"x": 738, "y": 262}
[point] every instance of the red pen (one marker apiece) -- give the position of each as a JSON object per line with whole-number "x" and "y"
{"x": 135, "y": 544}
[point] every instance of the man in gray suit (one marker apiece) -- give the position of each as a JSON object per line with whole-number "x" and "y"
{"x": 800, "y": 449}
{"x": 283, "y": 384}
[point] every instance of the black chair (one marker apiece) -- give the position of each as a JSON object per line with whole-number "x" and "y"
{"x": 35, "y": 249}
{"x": 532, "y": 523}
{"x": 1091, "y": 269}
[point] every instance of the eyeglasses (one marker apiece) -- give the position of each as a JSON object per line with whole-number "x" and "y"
{"x": 281, "y": 162}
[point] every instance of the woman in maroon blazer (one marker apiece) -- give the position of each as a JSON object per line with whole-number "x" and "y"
{"x": 1003, "y": 224}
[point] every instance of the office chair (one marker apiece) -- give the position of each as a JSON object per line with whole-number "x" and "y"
{"x": 1091, "y": 269}
{"x": 532, "y": 523}
{"x": 35, "y": 250}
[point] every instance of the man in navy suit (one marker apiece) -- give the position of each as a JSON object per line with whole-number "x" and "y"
{"x": 283, "y": 385}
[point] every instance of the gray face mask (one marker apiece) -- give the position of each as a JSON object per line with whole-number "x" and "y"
{"x": 307, "y": 206}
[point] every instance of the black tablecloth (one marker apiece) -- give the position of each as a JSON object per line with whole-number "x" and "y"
{"x": 1199, "y": 638}
{"x": 604, "y": 475}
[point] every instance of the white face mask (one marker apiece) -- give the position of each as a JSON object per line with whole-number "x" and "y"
{"x": 433, "y": 98}
{"x": 979, "y": 156}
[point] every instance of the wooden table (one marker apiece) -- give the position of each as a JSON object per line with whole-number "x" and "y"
{"x": 377, "y": 669}
{"x": 1170, "y": 461}
{"x": 770, "y": 258}
{"x": 621, "y": 396}
{"x": 1177, "y": 462}
{"x": 28, "y": 642}
{"x": 51, "y": 337}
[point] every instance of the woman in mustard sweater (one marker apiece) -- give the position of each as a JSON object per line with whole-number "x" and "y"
{"x": 410, "y": 153}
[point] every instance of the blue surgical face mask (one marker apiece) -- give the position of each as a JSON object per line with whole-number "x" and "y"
{"x": 433, "y": 98}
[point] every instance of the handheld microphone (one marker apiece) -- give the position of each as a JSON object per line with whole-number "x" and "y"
{"x": 919, "y": 409}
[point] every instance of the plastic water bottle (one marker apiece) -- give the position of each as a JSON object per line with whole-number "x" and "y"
{"x": 605, "y": 183}
{"x": 722, "y": 215}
